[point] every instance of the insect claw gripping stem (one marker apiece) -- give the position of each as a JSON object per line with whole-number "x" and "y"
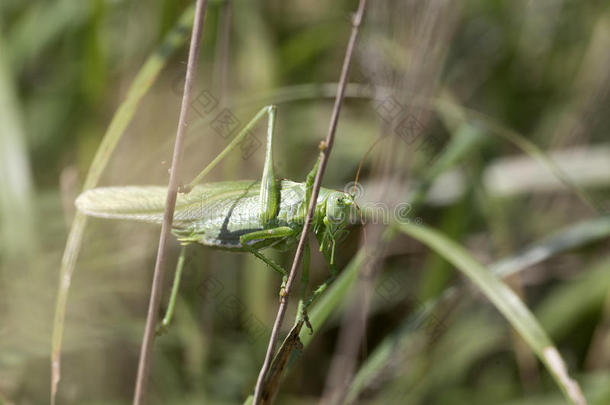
{"x": 305, "y": 319}
{"x": 302, "y": 316}
{"x": 161, "y": 329}
{"x": 307, "y": 323}
{"x": 185, "y": 188}
{"x": 283, "y": 287}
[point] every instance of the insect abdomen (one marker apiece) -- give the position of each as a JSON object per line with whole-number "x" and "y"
{"x": 224, "y": 222}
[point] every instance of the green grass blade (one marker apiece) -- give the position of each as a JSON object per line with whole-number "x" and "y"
{"x": 18, "y": 234}
{"x": 140, "y": 86}
{"x": 333, "y": 297}
{"x": 506, "y": 301}
{"x": 379, "y": 359}
{"x": 567, "y": 238}
{"x": 42, "y": 25}
{"x": 567, "y": 305}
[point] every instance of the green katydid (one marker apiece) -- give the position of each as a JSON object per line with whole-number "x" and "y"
{"x": 242, "y": 216}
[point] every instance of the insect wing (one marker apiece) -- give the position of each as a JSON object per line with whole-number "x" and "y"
{"x": 147, "y": 203}
{"x": 143, "y": 203}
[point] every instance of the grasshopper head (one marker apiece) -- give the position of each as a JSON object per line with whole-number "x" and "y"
{"x": 337, "y": 217}
{"x": 339, "y": 208}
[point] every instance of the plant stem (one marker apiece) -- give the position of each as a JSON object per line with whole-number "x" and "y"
{"x": 140, "y": 86}
{"x": 221, "y": 67}
{"x": 325, "y": 153}
{"x": 170, "y": 205}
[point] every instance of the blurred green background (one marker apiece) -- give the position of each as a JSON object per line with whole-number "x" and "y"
{"x": 485, "y": 77}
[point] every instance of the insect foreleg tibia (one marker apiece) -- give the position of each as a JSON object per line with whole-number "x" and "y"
{"x": 322, "y": 287}
{"x": 167, "y": 319}
{"x": 270, "y": 109}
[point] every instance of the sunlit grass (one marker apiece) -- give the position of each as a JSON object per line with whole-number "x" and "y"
{"x": 480, "y": 83}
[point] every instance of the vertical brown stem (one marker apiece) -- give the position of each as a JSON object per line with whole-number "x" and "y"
{"x": 170, "y": 205}
{"x": 221, "y": 72}
{"x": 325, "y": 153}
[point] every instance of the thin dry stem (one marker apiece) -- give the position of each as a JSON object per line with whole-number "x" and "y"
{"x": 221, "y": 72}
{"x": 170, "y": 205}
{"x": 325, "y": 153}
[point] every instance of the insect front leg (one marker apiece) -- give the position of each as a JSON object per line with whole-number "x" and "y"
{"x": 333, "y": 274}
{"x": 163, "y": 326}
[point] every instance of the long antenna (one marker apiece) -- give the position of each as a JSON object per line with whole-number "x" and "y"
{"x": 364, "y": 157}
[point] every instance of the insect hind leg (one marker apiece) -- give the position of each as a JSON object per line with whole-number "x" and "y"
{"x": 163, "y": 326}
{"x": 273, "y": 233}
{"x": 267, "y": 110}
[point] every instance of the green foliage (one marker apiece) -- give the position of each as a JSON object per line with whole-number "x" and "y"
{"x": 90, "y": 93}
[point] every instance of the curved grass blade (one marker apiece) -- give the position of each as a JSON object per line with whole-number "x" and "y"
{"x": 567, "y": 238}
{"x": 579, "y": 234}
{"x": 572, "y": 302}
{"x": 140, "y": 86}
{"x": 42, "y": 25}
{"x": 507, "y": 302}
{"x": 379, "y": 359}
{"x": 333, "y": 297}
{"x": 17, "y": 218}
